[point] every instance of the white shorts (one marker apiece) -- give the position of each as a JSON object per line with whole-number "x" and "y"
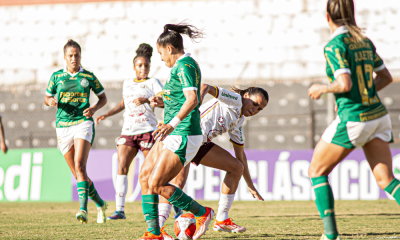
{"x": 357, "y": 134}
{"x": 186, "y": 147}
{"x": 66, "y": 135}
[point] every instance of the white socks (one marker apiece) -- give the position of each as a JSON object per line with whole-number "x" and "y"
{"x": 164, "y": 210}
{"x": 120, "y": 192}
{"x": 225, "y": 203}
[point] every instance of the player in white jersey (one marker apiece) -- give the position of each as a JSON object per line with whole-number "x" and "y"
{"x": 139, "y": 121}
{"x": 224, "y": 113}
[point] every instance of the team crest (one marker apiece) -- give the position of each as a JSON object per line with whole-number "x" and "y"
{"x": 84, "y": 82}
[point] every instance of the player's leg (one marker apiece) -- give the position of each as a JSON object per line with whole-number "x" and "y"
{"x": 326, "y": 156}
{"x": 379, "y": 158}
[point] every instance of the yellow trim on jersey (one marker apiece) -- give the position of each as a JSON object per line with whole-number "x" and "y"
{"x": 209, "y": 110}
{"x": 236, "y": 144}
{"x": 139, "y": 81}
{"x": 159, "y": 94}
{"x": 216, "y": 91}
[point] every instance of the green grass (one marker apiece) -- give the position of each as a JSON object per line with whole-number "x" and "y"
{"x": 263, "y": 220}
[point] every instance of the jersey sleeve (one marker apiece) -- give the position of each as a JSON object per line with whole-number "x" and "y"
{"x": 157, "y": 87}
{"x": 231, "y": 99}
{"x": 378, "y": 63}
{"x": 96, "y": 86}
{"x": 335, "y": 56}
{"x": 236, "y": 135}
{"x": 51, "y": 87}
{"x": 187, "y": 75}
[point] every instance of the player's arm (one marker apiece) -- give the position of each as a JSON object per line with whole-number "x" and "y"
{"x": 156, "y": 101}
{"x": 117, "y": 109}
{"x": 207, "y": 89}
{"x": 241, "y": 156}
{"x": 51, "y": 91}
{"x": 3, "y": 145}
{"x": 89, "y": 112}
{"x": 382, "y": 79}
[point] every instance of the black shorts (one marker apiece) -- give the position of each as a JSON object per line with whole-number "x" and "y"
{"x": 203, "y": 150}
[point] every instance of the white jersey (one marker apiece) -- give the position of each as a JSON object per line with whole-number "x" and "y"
{"x": 223, "y": 114}
{"x": 139, "y": 119}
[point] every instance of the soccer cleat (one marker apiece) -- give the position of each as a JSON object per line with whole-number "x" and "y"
{"x": 150, "y": 236}
{"x": 117, "y": 215}
{"x": 227, "y": 226}
{"x": 82, "y": 216}
{"x": 177, "y": 212}
{"x": 203, "y": 222}
{"x": 101, "y": 213}
{"x": 324, "y": 237}
{"x": 165, "y": 234}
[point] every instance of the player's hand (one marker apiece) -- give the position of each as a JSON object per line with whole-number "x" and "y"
{"x": 140, "y": 101}
{"x": 156, "y": 101}
{"x": 100, "y": 118}
{"x": 4, "y": 147}
{"x": 52, "y": 102}
{"x": 253, "y": 191}
{"x": 162, "y": 131}
{"x": 88, "y": 112}
{"x": 315, "y": 91}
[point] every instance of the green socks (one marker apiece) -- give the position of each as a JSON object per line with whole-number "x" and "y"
{"x": 83, "y": 192}
{"x": 393, "y": 189}
{"x": 94, "y": 196}
{"x": 325, "y": 204}
{"x": 184, "y": 202}
{"x": 150, "y": 212}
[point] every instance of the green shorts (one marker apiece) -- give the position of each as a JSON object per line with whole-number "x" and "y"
{"x": 186, "y": 147}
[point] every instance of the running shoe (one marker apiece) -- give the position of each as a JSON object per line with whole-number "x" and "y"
{"x": 150, "y": 236}
{"x": 165, "y": 234}
{"x": 101, "y": 213}
{"x": 117, "y": 215}
{"x": 82, "y": 216}
{"x": 227, "y": 226}
{"x": 177, "y": 212}
{"x": 203, "y": 222}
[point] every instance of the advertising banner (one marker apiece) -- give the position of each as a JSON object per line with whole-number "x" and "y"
{"x": 278, "y": 175}
{"x": 34, "y": 175}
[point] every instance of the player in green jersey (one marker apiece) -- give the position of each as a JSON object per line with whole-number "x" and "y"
{"x": 179, "y": 138}
{"x": 69, "y": 91}
{"x": 362, "y": 119}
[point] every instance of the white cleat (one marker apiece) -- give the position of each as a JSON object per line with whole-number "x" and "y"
{"x": 101, "y": 213}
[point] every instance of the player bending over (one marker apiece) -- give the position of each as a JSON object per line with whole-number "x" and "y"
{"x": 139, "y": 121}
{"x": 224, "y": 113}
{"x": 362, "y": 119}
{"x": 179, "y": 138}
{"x": 69, "y": 91}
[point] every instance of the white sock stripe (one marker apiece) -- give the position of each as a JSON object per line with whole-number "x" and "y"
{"x": 395, "y": 189}
{"x": 320, "y": 185}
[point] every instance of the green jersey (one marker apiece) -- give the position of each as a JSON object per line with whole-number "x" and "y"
{"x": 185, "y": 75}
{"x": 359, "y": 59}
{"x": 72, "y": 93}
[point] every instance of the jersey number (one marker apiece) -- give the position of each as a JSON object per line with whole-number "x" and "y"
{"x": 361, "y": 84}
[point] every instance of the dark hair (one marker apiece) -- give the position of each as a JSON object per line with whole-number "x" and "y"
{"x": 342, "y": 13}
{"x": 172, "y": 34}
{"x": 144, "y": 50}
{"x": 71, "y": 43}
{"x": 252, "y": 91}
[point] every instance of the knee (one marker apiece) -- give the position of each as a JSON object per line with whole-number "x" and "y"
{"x": 80, "y": 170}
{"x": 239, "y": 168}
{"x": 236, "y": 168}
{"x": 154, "y": 187}
{"x": 314, "y": 172}
{"x": 144, "y": 176}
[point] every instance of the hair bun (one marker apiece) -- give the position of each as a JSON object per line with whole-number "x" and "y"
{"x": 145, "y": 50}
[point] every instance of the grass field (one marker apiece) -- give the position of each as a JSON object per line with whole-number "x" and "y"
{"x": 264, "y": 220}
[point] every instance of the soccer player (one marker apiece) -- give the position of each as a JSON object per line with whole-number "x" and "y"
{"x": 362, "y": 119}
{"x": 139, "y": 121}
{"x": 3, "y": 144}
{"x": 179, "y": 138}
{"x": 225, "y": 113}
{"x": 69, "y": 91}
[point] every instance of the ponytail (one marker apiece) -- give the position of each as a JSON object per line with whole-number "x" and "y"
{"x": 342, "y": 13}
{"x": 172, "y": 35}
{"x": 252, "y": 91}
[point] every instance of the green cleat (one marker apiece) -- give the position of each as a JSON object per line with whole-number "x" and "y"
{"x": 324, "y": 237}
{"x": 82, "y": 216}
{"x": 101, "y": 213}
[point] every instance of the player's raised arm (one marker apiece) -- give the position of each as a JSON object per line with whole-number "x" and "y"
{"x": 117, "y": 109}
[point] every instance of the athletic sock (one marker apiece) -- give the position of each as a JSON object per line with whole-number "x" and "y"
{"x": 186, "y": 203}
{"x": 94, "y": 196}
{"x": 325, "y": 204}
{"x": 120, "y": 192}
{"x": 225, "y": 203}
{"x": 83, "y": 192}
{"x": 164, "y": 210}
{"x": 393, "y": 189}
{"x": 150, "y": 212}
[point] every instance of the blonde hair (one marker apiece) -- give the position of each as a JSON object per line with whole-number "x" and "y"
{"x": 342, "y": 13}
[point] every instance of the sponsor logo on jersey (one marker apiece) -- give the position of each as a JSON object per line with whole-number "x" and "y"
{"x": 72, "y": 78}
{"x": 229, "y": 96}
{"x": 60, "y": 75}
{"x": 84, "y": 82}
{"x": 85, "y": 75}
{"x": 329, "y": 48}
{"x": 121, "y": 141}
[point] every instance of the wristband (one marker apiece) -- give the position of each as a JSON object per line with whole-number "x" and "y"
{"x": 175, "y": 122}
